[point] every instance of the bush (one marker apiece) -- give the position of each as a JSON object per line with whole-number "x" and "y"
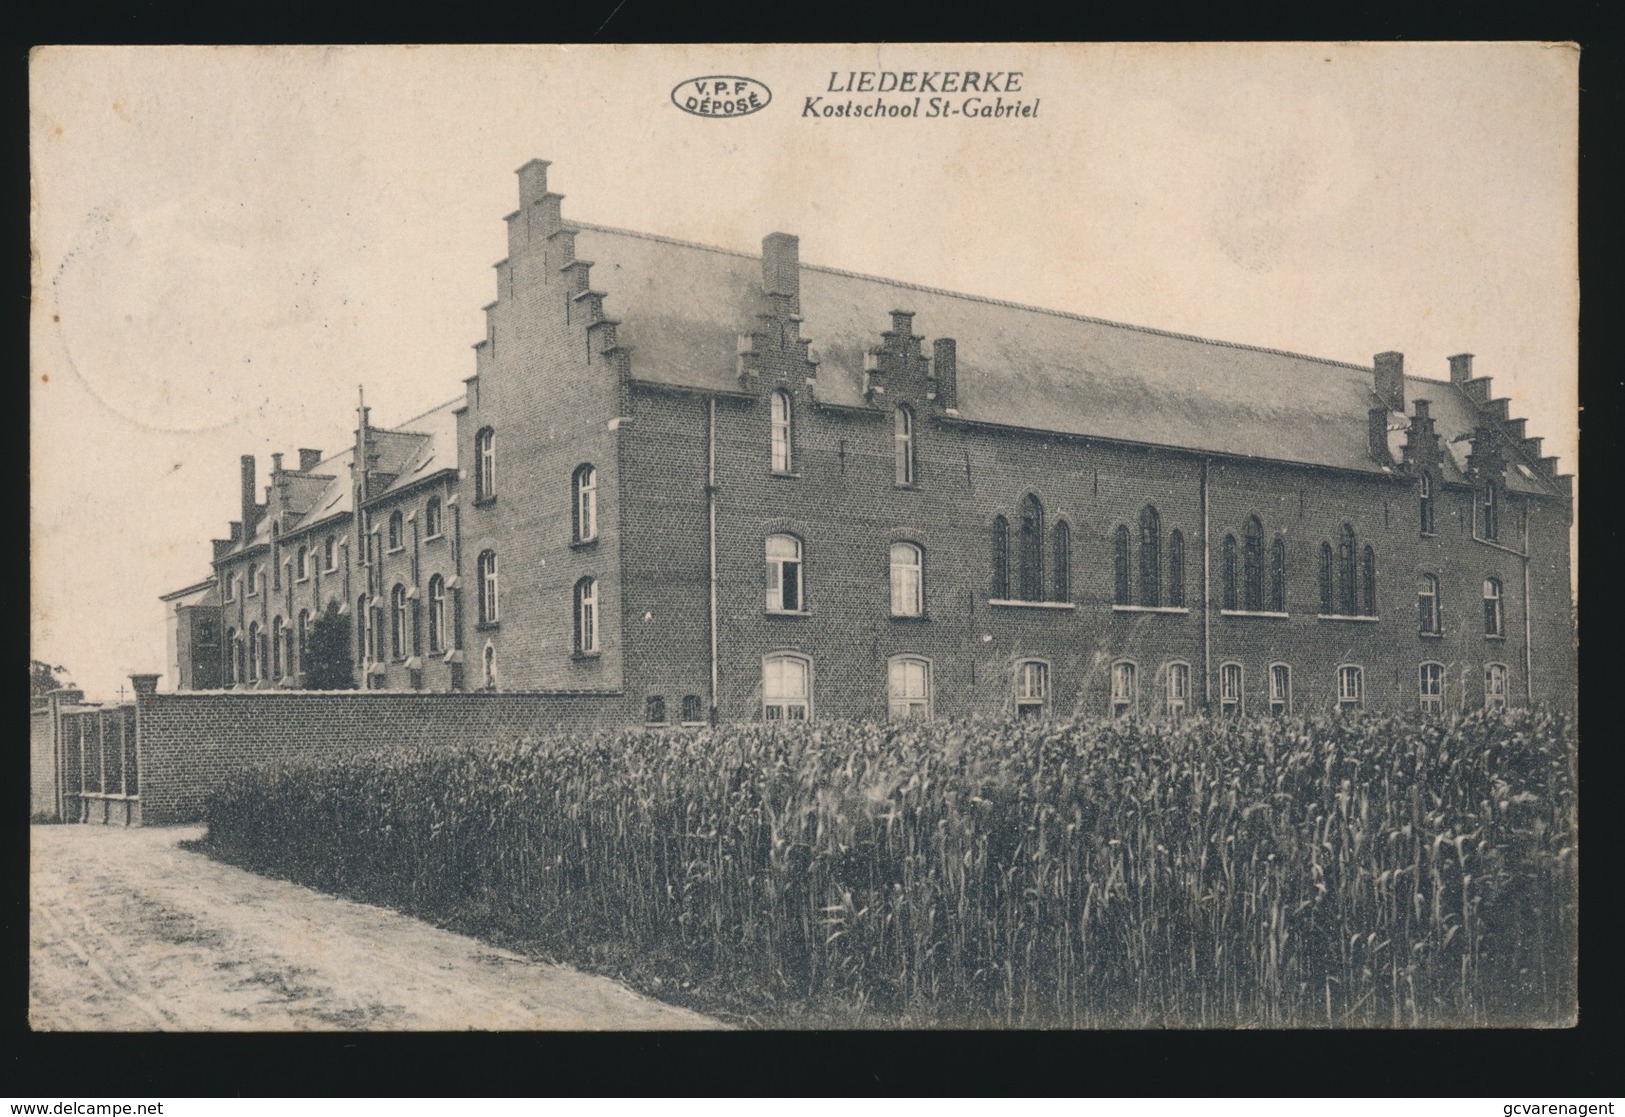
{"x": 1371, "y": 871}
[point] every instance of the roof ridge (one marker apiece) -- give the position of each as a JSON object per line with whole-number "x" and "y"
{"x": 906, "y": 285}
{"x": 400, "y": 428}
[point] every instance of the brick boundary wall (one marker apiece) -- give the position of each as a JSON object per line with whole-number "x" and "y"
{"x": 190, "y": 743}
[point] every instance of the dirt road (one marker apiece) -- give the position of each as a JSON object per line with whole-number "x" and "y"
{"x": 129, "y": 932}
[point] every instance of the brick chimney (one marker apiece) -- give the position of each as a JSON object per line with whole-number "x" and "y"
{"x": 1377, "y": 435}
{"x": 945, "y": 371}
{"x": 1461, "y": 368}
{"x": 309, "y": 460}
{"x": 1389, "y": 381}
{"x": 781, "y": 271}
{"x": 533, "y": 181}
{"x": 250, "y": 508}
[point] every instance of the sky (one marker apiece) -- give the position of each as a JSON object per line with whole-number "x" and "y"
{"x": 228, "y": 241}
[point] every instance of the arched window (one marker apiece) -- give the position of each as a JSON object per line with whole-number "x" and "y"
{"x": 1490, "y": 510}
{"x": 903, "y": 440}
{"x": 1425, "y": 503}
{"x": 1427, "y": 606}
{"x": 253, "y": 579}
{"x": 254, "y": 652}
{"x": 329, "y": 554}
{"x": 303, "y": 639}
{"x": 908, "y": 688}
{"x": 397, "y": 533}
{"x": 1278, "y": 575}
{"x": 1000, "y": 589}
{"x": 485, "y": 464}
{"x": 276, "y": 647}
{"x": 586, "y": 613}
{"x": 1176, "y": 568}
{"x": 1179, "y": 690}
{"x": 489, "y": 588}
{"x": 234, "y": 658}
{"x": 1125, "y": 689}
{"x": 1122, "y": 593}
{"x": 654, "y": 709}
{"x": 1280, "y": 688}
{"x": 1150, "y": 556}
{"x": 584, "y": 484}
{"x": 1350, "y": 686}
{"x": 301, "y": 568}
{"x": 1348, "y": 603}
{"x": 231, "y": 587}
{"x": 1230, "y": 689}
{"x": 490, "y": 659}
{"x": 361, "y": 649}
{"x": 1495, "y": 686}
{"x": 437, "y": 614}
{"x": 400, "y": 637}
{"x": 1430, "y": 684}
{"x": 1227, "y": 573}
{"x": 1032, "y": 549}
{"x": 1062, "y": 574}
{"x": 907, "y": 580}
{"x": 1252, "y": 565}
{"x": 431, "y": 518}
{"x": 1328, "y": 600}
{"x": 786, "y": 688}
{"x": 1492, "y": 607}
{"x": 783, "y": 432}
{"x": 784, "y": 583}
{"x": 288, "y": 668}
{"x": 1368, "y": 582}
{"x": 1032, "y": 688}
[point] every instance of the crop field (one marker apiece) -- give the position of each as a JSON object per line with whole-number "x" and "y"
{"x": 1348, "y": 872}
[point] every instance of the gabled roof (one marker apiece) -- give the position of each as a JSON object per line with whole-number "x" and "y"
{"x": 433, "y": 447}
{"x": 681, "y": 307}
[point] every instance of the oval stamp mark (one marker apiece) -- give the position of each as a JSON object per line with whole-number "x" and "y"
{"x": 721, "y": 95}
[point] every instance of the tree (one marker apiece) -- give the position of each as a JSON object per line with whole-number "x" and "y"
{"x": 43, "y": 678}
{"x": 327, "y": 656}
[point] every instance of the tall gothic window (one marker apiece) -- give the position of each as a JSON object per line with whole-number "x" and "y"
{"x": 1000, "y": 589}
{"x": 1150, "y": 556}
{"x": 1122, "y": 593}
{"x": 485, "y": 464}
{"x": 1032, "y": 549}
{"x": 584, "y": 488}
{"x": 1348, "y": 602}
{"x": 1227, "y": 573}
{"x": 782, "y": 419}
{"x": 1176, "y": 568}
{"x": 1253, "y": 564}
{"x": 1062, "y": 572}
{"x": 903, "y": 439}
{"x": 1368, "y": 582}
{"x": 1425, "y": 504}
{"x": 1278, "y": 575}
{"x": 1328, "y": 599}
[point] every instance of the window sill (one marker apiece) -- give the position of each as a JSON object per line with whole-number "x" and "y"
{"x": 657, "y": 725}
{"x": 787, "y": 612}
{"x": 432, "y": 538}
{"x": 910, "y": 485}
{"x": 394, "y": 550}
{"x": 1345, "y": 617}
{"x": 585, "y": 657}
{"x": 1179, "y": 610}
{"x": 784, "y": 474}
{"x": 1252, "y": 613}
{"x": 915, "y": 618}
{"x": 693, "y": 724}
{"x": 1497, "y": 639}
{"x": 1013, "y": 603}
{"x": 1428, "y": 534}
{"x": 1431, "y": 635}
{"x": 584, "y": 544}
{"x": 487, "y": 626}
{"x": 484, "y": 501}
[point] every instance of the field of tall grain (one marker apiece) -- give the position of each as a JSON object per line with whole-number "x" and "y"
{"x": 1371, "y": 871}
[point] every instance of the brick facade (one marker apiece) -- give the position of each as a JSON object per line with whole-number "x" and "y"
{"x": 656, "y": 363}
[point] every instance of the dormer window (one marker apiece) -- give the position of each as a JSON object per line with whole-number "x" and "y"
{"x": 782, "y": 432}
{"x": 903, "y": 440}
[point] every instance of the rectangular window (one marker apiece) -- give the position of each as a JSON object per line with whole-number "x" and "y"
{"x": 654, "y": 709}
{"x": 1431, "y": 682}
{"x": 786, "y": 688}
{"x": 1495, "y": 687}
{"x": 1032, "y": 689}
{"x": 1179, "y": 690}
{"x": 692, "y": 710}
{"x": 1350, "y": 686}
{"x": 908, "y": 688}
{"x": 784, "y": 574}
{"x": 1280, "y": 689}
{"x": 1123, "y": 689}
{"x": 1230, "y": 701}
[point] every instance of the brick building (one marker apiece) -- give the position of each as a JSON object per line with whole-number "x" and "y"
{"x": 706, "y": 484}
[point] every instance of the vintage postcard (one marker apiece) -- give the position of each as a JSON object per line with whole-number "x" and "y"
{"x": 803, "y": 536}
